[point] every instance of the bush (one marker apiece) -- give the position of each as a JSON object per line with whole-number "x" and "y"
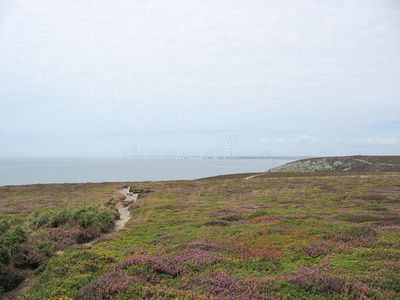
{"x": 109, "y": 203}
{"x": 108, "y": 286}
{"x": 3, "y": 226}
{"x": 52, "y": 230}
{"x": 51, "y": 219}
{"x": 317, "y": 249}
{"x": 355, "y": 236}
{"x": 314, "y": 281}
{"x": 10, "y": 278}
{"x": 88, "y": 217}
{"x": 232, "y": 217}
{"x": 362, "y": 218}
{"x": 32, "y": 254}
{"x": 362, "y": 231}
{"x": 10, "y": 243}
{"x": 5, "y": 255}
{"x": 218, "y": 222}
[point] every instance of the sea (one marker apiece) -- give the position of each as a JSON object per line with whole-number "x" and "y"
{"x": 19, "y": 171}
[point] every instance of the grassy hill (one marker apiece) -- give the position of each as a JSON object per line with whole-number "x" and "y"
{"x": 358, "y": 163}
{"x": 278, "y": 236}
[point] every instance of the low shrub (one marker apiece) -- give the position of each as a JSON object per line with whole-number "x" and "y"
{"x": 3, "y": 226}
{"x": 10, "y": 244}
{"x": 11, "y": 277}
{"x": 373, "y": 197}
{"x": 217, "y": 284}
{"x": 355, "y": 236}
{"x": 314, "y": 281}
{"x": 108, "y": 286}
{"x": 196, "y": 245}
{"x": 12, "y": 239}
{"x": 361, "y": 231}
{"x": 218, "y": 222}
{"x": 87, "y": 217}
{"x": 49, "y": 231}
{"x": 32, "y": 254}
{"x": 317, "y": 249}
{"x": 232, "y": 217}
{"x": 362, "y": 218}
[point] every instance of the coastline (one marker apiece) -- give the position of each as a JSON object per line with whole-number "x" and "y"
{"x": 57, "y": 171}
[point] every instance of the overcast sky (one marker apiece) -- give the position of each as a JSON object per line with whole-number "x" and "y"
{"x": 97, "y": 77}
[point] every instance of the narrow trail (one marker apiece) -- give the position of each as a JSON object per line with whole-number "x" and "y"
{"x": 123, "y": 211}
{"x": 30, "y": 281}
{"x": 124, "y": 216}
{"x": 388, "y": 174}
{"x": 254, "y": 176}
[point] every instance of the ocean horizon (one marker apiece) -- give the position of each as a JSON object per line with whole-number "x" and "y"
{"x": 34, "y": 170}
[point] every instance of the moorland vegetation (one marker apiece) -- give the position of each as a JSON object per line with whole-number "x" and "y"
{"x": 274, "y": 236}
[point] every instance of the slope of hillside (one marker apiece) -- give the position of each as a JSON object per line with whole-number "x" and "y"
{"x": 358, "y": 163}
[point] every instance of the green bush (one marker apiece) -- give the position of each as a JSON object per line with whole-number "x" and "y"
{"x": 5, "y": 255}
{"x": 51, "y": 219}
{"x": 10, "y": 243}
{"x": 10, "y": 278}
{"x": 13, "y": 239}
{"x": 88, "y": 217}
{"x": 91, "y": 217}
{"x": 3, "y": 226}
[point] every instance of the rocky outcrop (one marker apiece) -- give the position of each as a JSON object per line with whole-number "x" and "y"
{"x": 358, "y": 163}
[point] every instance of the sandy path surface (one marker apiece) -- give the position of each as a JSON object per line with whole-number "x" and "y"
{"x": 124, "y": 215}
{"x": 123, "y": 211}
{"x": 254, "y": 176}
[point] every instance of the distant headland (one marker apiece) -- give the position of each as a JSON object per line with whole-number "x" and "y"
{"x": 356, "y": 163}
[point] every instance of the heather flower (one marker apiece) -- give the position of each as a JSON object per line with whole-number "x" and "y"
{"x": 313, "y": 280}
{"x": 195, "y": 257}
{"x": 108, "y": 286}
{"x": 32, "y": 254}
{"x": 217, "y": 284}
{"x": 317, "y": 249}
{"x": 196, "y": 245}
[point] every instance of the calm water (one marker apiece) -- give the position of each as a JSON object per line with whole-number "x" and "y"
{"x": 15, "y": 171}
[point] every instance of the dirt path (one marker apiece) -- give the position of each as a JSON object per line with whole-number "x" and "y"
{"x": 29, "y": 282}
{"x": 388, "y": 174}
{"x": 123, "y": 211}
{"x": 124, "y": 216}
{"x": 254, "y": 176}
